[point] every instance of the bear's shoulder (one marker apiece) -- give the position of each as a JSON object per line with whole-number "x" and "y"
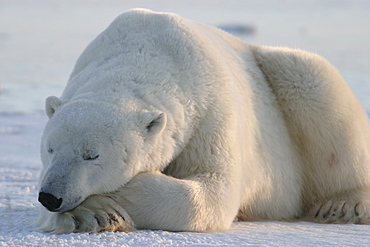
{"x": 146, "y": 21}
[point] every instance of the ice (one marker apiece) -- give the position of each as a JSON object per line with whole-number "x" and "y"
{"x": 39, "y": 43}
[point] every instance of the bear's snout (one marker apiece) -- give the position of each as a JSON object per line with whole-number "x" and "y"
{"x": 49, "y": 201}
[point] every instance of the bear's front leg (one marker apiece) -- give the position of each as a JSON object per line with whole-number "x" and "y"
{"x": 205, "y": 202}
{"x": 97, "y": 213}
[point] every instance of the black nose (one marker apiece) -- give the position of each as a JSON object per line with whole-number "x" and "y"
{"x": 49, "y": 201}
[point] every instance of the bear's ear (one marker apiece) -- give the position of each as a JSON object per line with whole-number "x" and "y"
{"x": 156, "y": 124}
{"x": 51, "y": 104}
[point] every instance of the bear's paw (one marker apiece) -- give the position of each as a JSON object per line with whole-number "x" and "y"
{"x": 341, "y": 212}
{"x": 95, "y": 214}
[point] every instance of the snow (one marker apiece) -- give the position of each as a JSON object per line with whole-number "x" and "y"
{"x": 39, "y": 43}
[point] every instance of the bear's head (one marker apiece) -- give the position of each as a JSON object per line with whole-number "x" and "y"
{"x": 93, "y": 148}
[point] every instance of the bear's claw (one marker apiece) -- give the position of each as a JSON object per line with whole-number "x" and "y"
{"x": 76, "y": 223}
{"x": 341, "y": 212}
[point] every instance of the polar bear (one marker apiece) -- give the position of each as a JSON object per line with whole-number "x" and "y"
{"x": 169, "y": 124}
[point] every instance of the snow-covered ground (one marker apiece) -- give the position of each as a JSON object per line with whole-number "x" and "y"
{"x": 39, "y": 43}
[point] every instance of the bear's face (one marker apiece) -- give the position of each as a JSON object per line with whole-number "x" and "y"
{"x": 89, "y": 148}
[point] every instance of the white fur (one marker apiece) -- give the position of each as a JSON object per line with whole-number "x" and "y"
{"x": 185, "y": 127}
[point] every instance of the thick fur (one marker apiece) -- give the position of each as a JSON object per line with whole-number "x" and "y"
{"x": 169, "y": 124}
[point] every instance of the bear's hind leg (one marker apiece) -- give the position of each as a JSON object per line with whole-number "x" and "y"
{"x": 329, "y": 129}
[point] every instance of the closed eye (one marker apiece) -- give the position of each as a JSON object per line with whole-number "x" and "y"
{"x": 90, "y": 158}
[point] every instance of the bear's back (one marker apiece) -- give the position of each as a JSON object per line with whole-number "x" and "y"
{"x": 144, "y": 51}
{"x": 137, "y": 28}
